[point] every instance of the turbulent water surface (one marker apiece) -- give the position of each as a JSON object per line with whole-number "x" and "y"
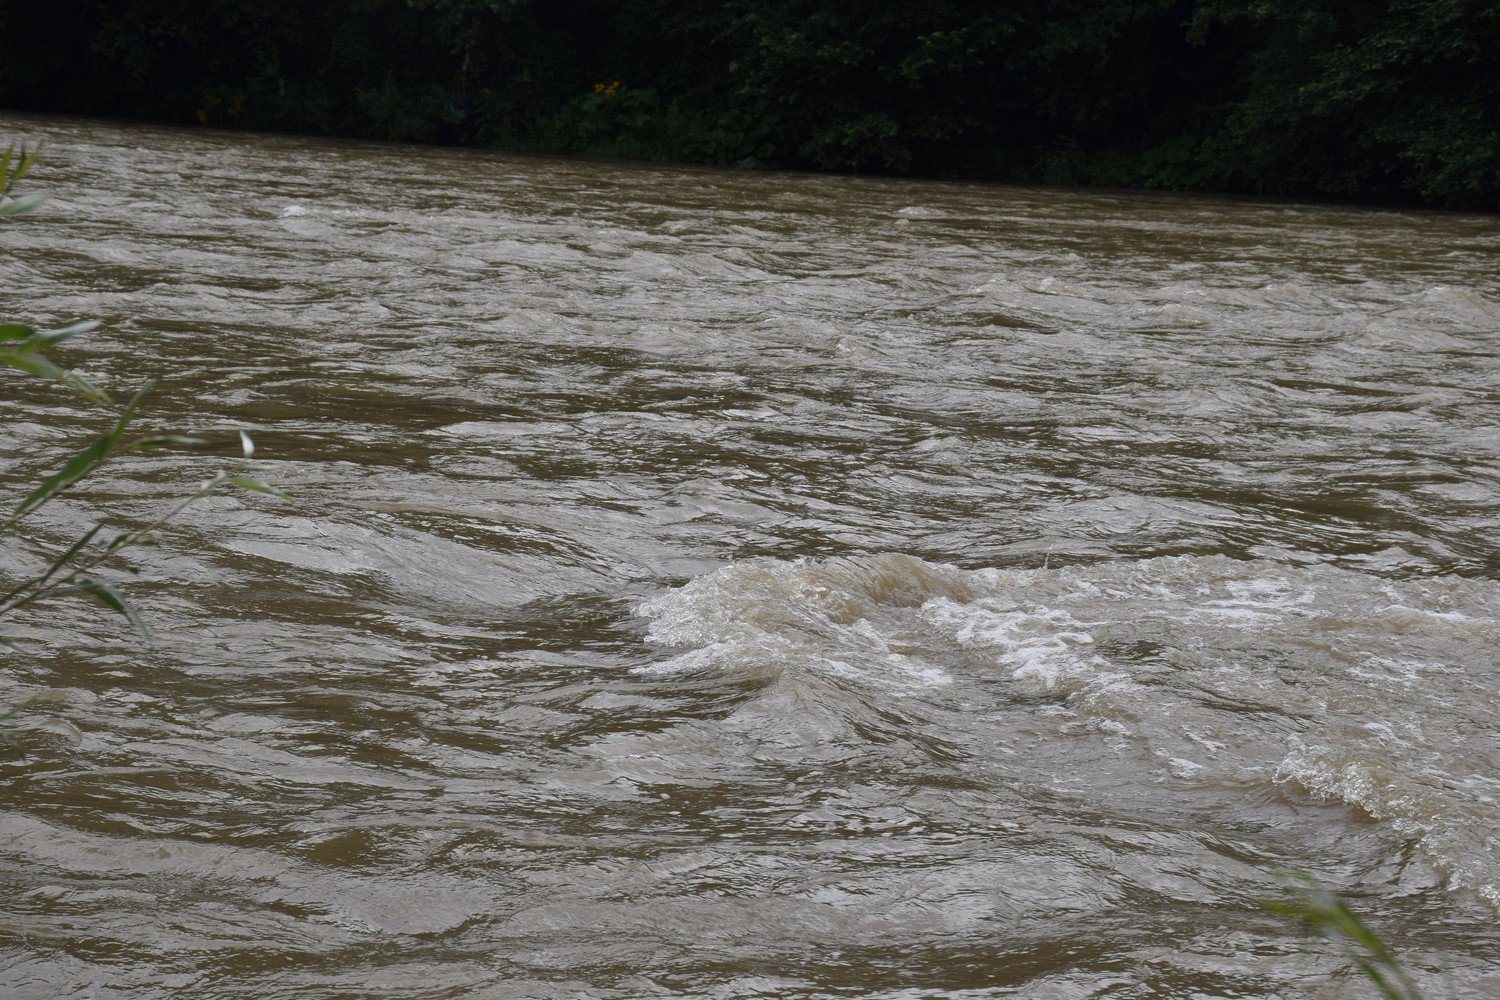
{"x": 723, "y": 585}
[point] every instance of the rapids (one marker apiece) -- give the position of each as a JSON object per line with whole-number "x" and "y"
{"x": 721, "y": 584}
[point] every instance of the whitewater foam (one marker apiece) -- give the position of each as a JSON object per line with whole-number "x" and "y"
{"x": 1213, "y": 666}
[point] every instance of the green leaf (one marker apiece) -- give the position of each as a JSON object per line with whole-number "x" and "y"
{"x": 24, "y": 167}
{"x": 85, "y": 388}
{"x": 1324, "y": 913}
{"x": 35, "y": 364}
{"x": 84, "y": 462}
{"x": 37, "y": 583}
{"x": 77, "y": 467}
{"x": 15, "y": 331}
{"x": 72, "y": 551}
{"x": 164, "y": 441}
{"x": 113, "y": 599}
{"x": 121, "y": 540}
{"x": 24, "y": 203}
{"x": 58, "y": 336}
{"x": 254, "y": 485}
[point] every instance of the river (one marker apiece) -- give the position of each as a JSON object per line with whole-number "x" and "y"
{"x": 706, "y": 583}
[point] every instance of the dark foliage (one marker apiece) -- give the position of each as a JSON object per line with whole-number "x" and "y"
{"x": 1377, "y": 99}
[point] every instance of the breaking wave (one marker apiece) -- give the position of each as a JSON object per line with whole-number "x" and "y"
{"x": 1317, "y": 681}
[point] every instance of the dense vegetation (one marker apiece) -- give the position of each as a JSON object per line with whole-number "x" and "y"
{"x": 1376, "y": 99}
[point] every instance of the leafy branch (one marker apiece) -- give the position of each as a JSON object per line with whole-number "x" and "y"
{"x": 72, "y": 572}
{"x": 75, "y": 571}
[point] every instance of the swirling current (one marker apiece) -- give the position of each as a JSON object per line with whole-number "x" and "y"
{"x": 720, "y": 584}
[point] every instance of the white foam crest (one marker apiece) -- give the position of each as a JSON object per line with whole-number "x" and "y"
{"x": 1452, "y": 833}
{"x": 1048, "y": 647}
{"x": 1214, "y": 666}
{"x": 764, "y": 613}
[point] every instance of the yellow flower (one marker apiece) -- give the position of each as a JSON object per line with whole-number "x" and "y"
{"x": 202, "y": 117}
{"x": 598, "y": 87}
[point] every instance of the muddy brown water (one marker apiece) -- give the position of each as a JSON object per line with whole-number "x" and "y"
{"x": 726, "y": 584}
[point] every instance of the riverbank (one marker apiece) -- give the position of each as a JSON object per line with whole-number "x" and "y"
{"x": 1398, "y": 105}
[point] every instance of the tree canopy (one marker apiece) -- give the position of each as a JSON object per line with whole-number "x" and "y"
{"x": 1375, "y": 99}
